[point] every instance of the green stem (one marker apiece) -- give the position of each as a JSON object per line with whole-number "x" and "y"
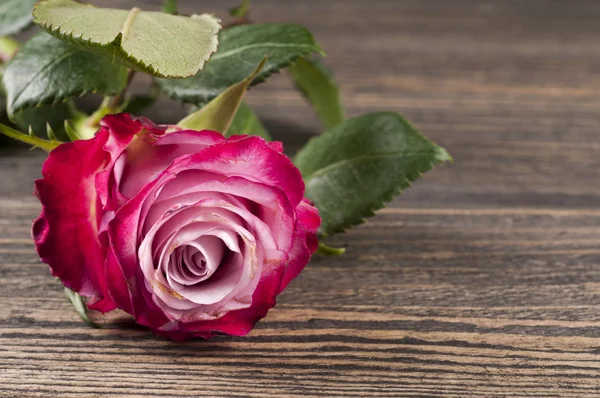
{"x": 240, "y": 15}
{"x": 86, "y": 128}
{"x": 41, "y": 143}
{"x": 170, "y": 7}
{"x": 330, "y": 251}
{"x": 241, "y": 11}
{"x": 103, "y": 110}
{"x": 109, "y": 105}
{"x": 115, "y": 103}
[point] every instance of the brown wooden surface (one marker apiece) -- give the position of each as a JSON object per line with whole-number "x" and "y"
{"x": 482, "y": 280}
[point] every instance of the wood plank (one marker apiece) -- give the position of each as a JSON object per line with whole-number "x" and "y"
{"x": 481, "y": 280}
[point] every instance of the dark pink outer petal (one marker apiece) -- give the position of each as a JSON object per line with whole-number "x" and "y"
{"x": 308, "y": 216}
{"x": 74, "y": 193}
{"x": 278, "y": 146}
{"x": 306, "y": 242}
{"x": 66, "y": 232}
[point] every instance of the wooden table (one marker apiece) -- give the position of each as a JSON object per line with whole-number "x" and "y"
{"x": 482, "y": 280}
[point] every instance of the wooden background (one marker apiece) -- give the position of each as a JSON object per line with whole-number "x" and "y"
{"x": 482, "y": 280}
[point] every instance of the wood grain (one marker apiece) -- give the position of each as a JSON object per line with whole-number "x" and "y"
{"x": 482, "y": 280}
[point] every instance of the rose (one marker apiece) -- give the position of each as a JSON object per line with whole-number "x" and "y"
{"x": 191, "y": 233}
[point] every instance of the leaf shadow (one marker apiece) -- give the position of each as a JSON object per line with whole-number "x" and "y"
{"x": 293, "y": 135}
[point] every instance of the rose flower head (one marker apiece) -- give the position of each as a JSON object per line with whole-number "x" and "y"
{"x": 188, "y": 231}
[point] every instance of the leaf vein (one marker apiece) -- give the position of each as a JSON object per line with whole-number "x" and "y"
{"x": 257, "y": 45}
{"x": 50, "y": 64}
{"x": 350, "y": 161}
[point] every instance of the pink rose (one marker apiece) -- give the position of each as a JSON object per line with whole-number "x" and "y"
{"x": 191, "y": 233}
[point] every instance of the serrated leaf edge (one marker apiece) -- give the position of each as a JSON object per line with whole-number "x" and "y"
{"x": 116, "y": 44}
{"x": 314, "y": 47}
{"x": 52, "y": 102}
{"x": 370, "y": 212}
{"x": 443, "y": 156}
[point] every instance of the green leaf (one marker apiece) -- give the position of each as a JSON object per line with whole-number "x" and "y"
{"x": 218, "y": 114}
{"x": 46, "y": 145}
{"x": 246, "y": 122}
{"x": 37, "y": 119}
{"x": 358, "y": 166}
{"x": 47, "y": 71}
{"x": 241, "y": 11}
{"x": 170, "y": 7}
{"x": 15, "y": 15}
{"x": 240, "y": 49}
{"x": 151, "y": 42}
{"x": 318, "y": 86}
{"x": 79, "y": 305}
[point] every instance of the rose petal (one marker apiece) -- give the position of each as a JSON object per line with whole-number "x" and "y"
{"x": 185, "y": 220}
{"x": 236, "y": 323}
{"x": 120, "y": 130}
{"x": 66, "y": 232}
{"x": 251, "y": 158}
{"x": 147, "y": 158}
{"x": 244, "y": 177}
{"x": 269, "y": 204}
{"x": 306, "y": 242}
{"x": 128, "y": 287}
{"x": 298, "y": 259}
{"x": 277, "y": 145}
{"x": 308, "y": 216}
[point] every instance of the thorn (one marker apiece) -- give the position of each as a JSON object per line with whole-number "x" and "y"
{"x": 50, "y": 132}
{"x": 71, "y": 133}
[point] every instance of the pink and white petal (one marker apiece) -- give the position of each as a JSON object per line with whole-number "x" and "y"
{"x": 197, "y": 140}
{"x": 206, "y": 211}
{"x": 147, "y": 158}
{"x": 274, "y": 208}
{"x": 251, "y": 158}
{"x": 160, "y": 286}
{"x": 235, "y": 323}
{"x": 175, "y": 299}
{"x": 120, "y": 130}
